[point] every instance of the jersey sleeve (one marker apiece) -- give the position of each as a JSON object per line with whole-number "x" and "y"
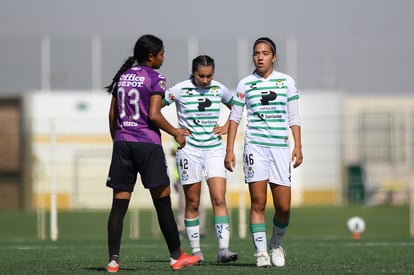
{"x": 239, "y": 94}
{"x": 158, "y": 86}
{"x": 171, "y": 95}
{"x": 227, "y": 96}
{"x": 293, "y": 103}
{"x": 238, "y": 103}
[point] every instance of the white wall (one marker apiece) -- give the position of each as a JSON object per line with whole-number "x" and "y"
{"x": 83, "y": 146}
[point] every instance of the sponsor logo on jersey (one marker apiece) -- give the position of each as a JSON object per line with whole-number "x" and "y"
{"x": 171, "y": 96}
{"x": 131, "y": 80}
{"x": 267, "y": 96}
{"x": 239, "y": 95}
{"x": 204, "y": 122}
{"x": 129, "y": 124}
{"x": 203, "y": 103}
{"x": 269, "y": 116}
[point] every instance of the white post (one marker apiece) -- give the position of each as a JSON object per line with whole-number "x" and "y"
{"x": 292, "y": 57}
{"x": 96, "y": 63}
{"x": 192, "y": 50}
{"x": 134, "y": 223}
{"x": 45, "y": 63}
{"x": 243, "y": 57}
{"x": 53, "y": 184}
{"x": 41, "y": 220}
{"x": 411, "y": 211}
{"x": 409, "y": 163}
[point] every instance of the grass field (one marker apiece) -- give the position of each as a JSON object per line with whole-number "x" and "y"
{"x": 317, "y": 242}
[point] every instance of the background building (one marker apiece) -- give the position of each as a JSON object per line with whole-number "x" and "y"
{"x": 351, "y": 60}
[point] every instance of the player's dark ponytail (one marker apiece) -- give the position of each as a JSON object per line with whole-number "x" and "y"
{"x": 145, "y": 45}
{"x": 128, "y": 64}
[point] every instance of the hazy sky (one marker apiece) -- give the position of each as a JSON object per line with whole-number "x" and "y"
{"x": 358, "y": 46}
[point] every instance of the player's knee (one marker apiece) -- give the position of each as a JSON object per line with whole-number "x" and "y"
{"x": 259, "y": 203}
{"x": 192, "y": 206}
{"x": 219, "y": 202}
{"x": 283, "y": 210}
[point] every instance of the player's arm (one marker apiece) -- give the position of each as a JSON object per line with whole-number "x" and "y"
{"x": 234, "y": 121}
{"x": 230, "y": 159}
{"x": 113, "y": 114}
{"x": 222, "y": 130}
{"x": 294, "y": 124}
{"x": 297, "y": 156}
{"x": 158, "y": 119}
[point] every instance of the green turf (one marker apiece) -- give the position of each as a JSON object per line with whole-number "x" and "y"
{"x": 317, "y": 243}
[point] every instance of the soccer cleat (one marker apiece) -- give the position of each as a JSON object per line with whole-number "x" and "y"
{"x": 262, "y": 259}
{"x": 113, "y": 266}
{"x": 278, "y": 256}
{"x": 199, "y": 253}
{"x": 183, "y": 261}
{"x": 225, "y": 256}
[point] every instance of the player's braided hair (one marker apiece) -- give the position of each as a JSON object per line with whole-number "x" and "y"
{"x": 203, "y": 60}
{"x": 145, "y": 45}
{"x": 127, "y": 64}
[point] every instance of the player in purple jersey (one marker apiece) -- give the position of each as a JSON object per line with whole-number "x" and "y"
{"x": 135, "y": 120}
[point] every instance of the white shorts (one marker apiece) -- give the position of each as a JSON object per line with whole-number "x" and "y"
{"x": 267, "y": 163}
{"x": 193, "y": 164}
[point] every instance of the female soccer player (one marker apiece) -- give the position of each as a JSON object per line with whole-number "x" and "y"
{"x": 198, "y": 101}
{"x": 135, "y": 121}
{"x": 271, "y": 101}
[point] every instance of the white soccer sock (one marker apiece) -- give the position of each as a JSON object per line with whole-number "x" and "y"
{"x": 192, "y": 227}
{"x": 258, "y": 232}
{"x": 260, "y": 242}
{"x": 221, "y": 223}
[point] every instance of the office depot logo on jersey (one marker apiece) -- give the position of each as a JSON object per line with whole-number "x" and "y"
{"x": 131, "y": 80}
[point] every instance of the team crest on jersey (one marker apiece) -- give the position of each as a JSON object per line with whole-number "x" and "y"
{"x": 162, "y": 84}
{"x": 280, "y": 83}
{"x": 184, "y": 175}
{"x": 214, "y": 90}
{"x": 250, "y": 172}
{"x": 239, "y": 95}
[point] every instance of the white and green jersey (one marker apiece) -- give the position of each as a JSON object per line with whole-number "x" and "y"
{"x": 198, "y": 110}
{"x": 272, "y": 107}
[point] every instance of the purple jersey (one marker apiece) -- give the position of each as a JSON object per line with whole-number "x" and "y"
{"x": 134, "y": 90}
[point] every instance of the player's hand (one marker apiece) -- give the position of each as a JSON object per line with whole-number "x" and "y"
{"x": 180, "y": 137}
{"x": 183, "y": 131}
{"x": 297, "y": 157}
{"x": 229, "y": 161}
{"x": 220, "y": 130}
